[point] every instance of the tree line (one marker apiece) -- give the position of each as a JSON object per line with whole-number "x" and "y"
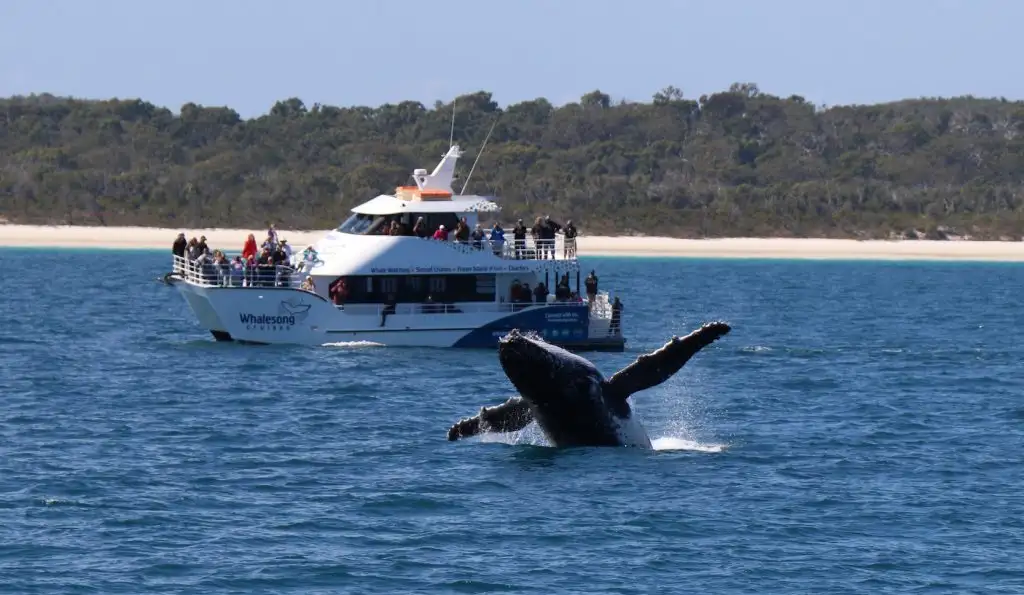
{"x": 735, "y": 163}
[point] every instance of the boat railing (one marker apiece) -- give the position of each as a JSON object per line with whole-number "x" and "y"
{"x": 601, "y": 309}
{"x": 602, "y": 306}
{"x": 207, "y": 273}
{"x": 559, "y": 248}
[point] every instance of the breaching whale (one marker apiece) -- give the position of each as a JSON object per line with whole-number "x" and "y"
{"x": 569, "y": 398}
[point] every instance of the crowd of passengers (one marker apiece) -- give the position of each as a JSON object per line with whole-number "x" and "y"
{"x": 269, "y": 264}
{"x": 259, "y": 265}
{"x": 542, "y": 232}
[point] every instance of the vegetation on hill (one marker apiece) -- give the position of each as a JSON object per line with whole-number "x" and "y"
{"x": 735, "y": 163}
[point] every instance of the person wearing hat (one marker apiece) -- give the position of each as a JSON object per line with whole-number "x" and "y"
{"x": 441, "y": 234}
{"x": 201, "y": 247}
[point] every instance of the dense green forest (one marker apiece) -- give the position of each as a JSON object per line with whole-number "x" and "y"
{"x": 735, "y": 163}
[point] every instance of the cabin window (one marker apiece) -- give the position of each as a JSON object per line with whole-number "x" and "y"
{"x": 449, "y": 289}
{"x": 435, "y": 220}
{"x": 387, "y": 285}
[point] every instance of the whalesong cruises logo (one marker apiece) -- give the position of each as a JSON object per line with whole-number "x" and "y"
{"x": 289, "y": 313}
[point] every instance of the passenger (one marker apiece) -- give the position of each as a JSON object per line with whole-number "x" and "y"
{"x": 477, "y": 236}
{"x": 308, "y": 284}
{"x": 420, "y": 229}
{"x": 497, "y": 239}
{"x": 591, "y": 284}
{"x": 441, "y": 234}
{"x": 519, "y": 238}
{"x": 462, "y": 232}
{"x": 237, "y": 272}
{"x": 537, "y": 232}
{"x": 178, "y": 250}
{"x": 193, "y": 250}
{"x": 540, "y": 293}
{"x": 562, "y": 291}
{"x": 202, "y": 247}
{"x": 613, "y": 327}
{"x": 271, "y": 236}
{"x": 548, "y": 230}
{"x": 179, "y": 246}
{"x": 513, "y": 291}
{"x": 287, "y": 250}
{"x": 570, "y": 239}
{"x": 250, "y": 248}
{"x": 265, "y": 268}
{"x": 338, "y": 292}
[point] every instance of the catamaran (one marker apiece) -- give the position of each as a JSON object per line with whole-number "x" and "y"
{"x": 357, "y": 285}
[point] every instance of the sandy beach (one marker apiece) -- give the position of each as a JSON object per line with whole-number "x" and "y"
{"x": 232, "y": 240}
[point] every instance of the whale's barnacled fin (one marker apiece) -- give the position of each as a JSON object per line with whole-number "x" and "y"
{"x": 511, "y": 416}
{"x": 651, "y": 369}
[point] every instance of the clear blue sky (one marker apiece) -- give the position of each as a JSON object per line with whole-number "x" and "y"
{"x": 247, "y": 54}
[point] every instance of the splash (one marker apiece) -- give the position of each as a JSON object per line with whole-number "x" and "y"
{"x": 673, "y": 443}
{"x": 354, "y": 344}
{"x": 531, "y": 435}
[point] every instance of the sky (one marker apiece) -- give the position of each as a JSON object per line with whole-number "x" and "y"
{"x": 248, "y": 54}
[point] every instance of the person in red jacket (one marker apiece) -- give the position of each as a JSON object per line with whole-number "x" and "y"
{"x": 250, "y": 247}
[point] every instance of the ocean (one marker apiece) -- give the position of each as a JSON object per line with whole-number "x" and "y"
{"x": 860, "y": 430}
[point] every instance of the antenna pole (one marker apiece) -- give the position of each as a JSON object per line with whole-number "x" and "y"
{"x": 451, "y": 137}
{"x": 463, "y": 191}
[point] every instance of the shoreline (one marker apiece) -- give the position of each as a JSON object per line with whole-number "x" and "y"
{"x": 153, "y": 238}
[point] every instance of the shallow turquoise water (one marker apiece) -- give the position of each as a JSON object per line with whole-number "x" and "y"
{"x": 860, "y": 430}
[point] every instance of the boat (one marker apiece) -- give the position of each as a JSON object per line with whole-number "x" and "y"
{"x": 357, "y": 285}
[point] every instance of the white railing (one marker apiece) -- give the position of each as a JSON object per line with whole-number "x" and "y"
{"x": 601, "y": 309}
{"x": 559, "y": 248}
{"x": 207, "y": 273}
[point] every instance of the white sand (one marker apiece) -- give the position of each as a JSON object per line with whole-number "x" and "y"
{"x": 233, "y": 239}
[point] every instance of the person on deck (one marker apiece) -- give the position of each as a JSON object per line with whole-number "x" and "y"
{"x": 250, "y": 249}
{"x": 591, "y": 284}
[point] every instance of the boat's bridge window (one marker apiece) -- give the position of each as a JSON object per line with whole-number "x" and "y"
{"x": 359, "y": 224}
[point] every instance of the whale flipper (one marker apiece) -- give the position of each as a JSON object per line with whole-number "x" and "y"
{"x": 511, "y": 416}
{"x": 651, "y": 369}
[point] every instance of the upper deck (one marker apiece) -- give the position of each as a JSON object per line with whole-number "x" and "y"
{"x": 390, "y": 255}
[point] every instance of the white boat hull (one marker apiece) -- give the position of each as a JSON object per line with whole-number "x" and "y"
{"x": 284, "y": 315}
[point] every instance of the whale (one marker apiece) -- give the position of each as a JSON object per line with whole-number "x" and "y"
{"x": 571, "y": 401}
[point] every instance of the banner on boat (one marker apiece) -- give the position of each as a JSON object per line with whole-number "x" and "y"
{"x": 492, "y": 268}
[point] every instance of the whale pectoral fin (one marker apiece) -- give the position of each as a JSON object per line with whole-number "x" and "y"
{"x": 651, "y": 369}
{"x": 512, "y": 415}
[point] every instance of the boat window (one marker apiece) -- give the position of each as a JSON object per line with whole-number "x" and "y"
{"x": 360, "y": 224}
{"x": 417, "y": 288}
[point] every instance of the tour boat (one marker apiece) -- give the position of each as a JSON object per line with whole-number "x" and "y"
{"x": 358, "y": 285}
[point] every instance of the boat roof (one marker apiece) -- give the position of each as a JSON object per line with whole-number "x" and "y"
{"x": 432, "y": 193}
{"x": 387, "y": 204}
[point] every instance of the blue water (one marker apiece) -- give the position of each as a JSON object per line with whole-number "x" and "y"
{"x": 860, "y": 430}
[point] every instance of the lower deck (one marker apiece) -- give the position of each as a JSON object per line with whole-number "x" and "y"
{"x": 464, "y": 311}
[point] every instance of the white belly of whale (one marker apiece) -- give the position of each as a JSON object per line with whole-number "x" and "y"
{"x": 632, "y": 433}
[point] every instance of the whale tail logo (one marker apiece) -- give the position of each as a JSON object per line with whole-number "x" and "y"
{"x": 294, "y": 307}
